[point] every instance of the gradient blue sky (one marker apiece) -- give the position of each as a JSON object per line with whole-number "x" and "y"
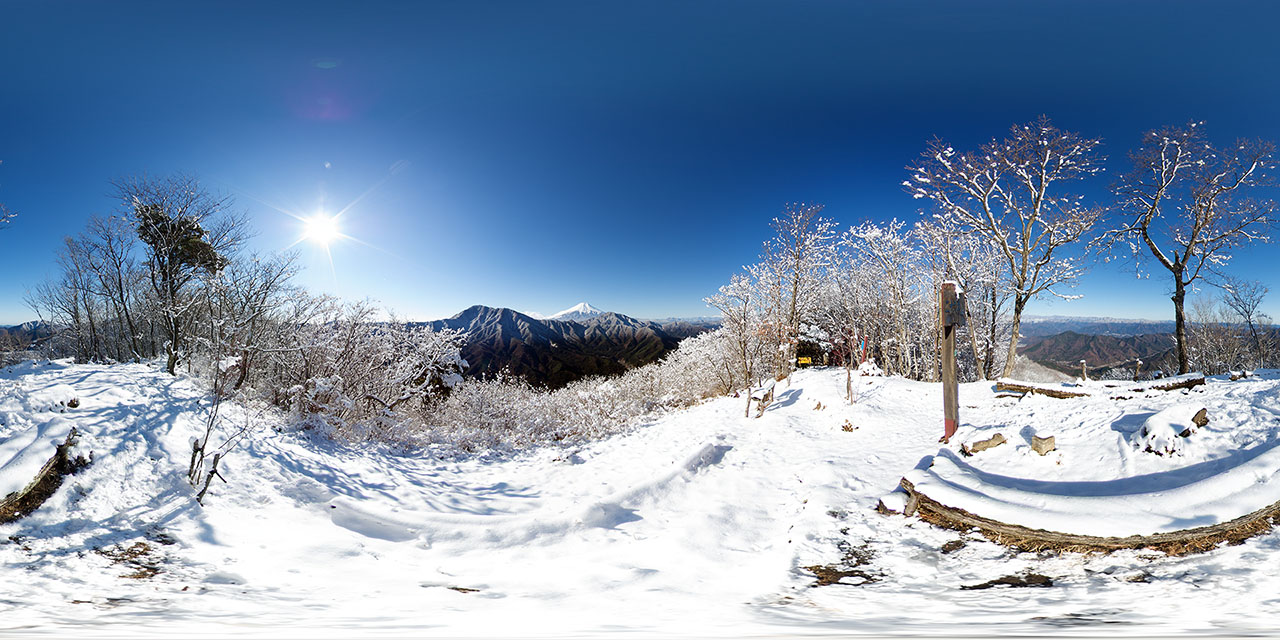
{"x": 534, "y": 155}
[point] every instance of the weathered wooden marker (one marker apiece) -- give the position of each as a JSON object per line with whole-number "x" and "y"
{"x": 952, "y": 315}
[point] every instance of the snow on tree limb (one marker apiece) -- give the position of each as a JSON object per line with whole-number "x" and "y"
{"x": 1012, "y": 193}
{"x": 1184, "y": 204}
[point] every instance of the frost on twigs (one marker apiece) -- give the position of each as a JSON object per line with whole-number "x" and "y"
{"x": 1014, "y": 195}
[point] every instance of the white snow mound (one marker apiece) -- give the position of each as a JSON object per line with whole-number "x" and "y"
{"x": 1166, "y": 431}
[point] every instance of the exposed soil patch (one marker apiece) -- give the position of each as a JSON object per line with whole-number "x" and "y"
{"x": 139, "y": 558}
{"x": 1025, "y": 580}
{"x": 847, "y": 571}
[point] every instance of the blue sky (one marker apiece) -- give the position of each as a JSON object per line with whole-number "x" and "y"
{"x": 534, "y": 155}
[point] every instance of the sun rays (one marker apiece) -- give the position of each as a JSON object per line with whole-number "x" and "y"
{"x": 319, "y": 228}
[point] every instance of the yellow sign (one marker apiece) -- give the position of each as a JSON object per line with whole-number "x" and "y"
{"x": 804, "y": 360}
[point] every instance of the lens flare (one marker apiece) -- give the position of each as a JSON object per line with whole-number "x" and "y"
{"x": 321, "y": 229}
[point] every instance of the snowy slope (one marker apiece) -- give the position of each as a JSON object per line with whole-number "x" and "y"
{"x": 700, "y": 523}
{"x": 1121, "y": 467}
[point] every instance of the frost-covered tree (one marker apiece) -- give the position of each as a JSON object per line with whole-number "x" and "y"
{"x": 900, "y": 322}
{"x": 186, "y": 230}
{"x": 340, "y": 367}
{"x": 1186, "y": 204}
{"x": 744, "y": 326}
{"x": 1214, "y": 343}
{"x": 800, "y": 250}
{"x": 72, "y": 302}
{"x": 240, "y": 301}
{"x": 1243, "y": 298}
{"x": 707, "y": 359}
{"x": 1013, "y": 193}
{"x": 110, "y": 244}
{"x": 964, "y": 257}
{"x": 846, "y": 318}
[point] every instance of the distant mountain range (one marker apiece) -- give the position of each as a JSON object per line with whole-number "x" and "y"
{"x": 1061, "y": 342}
{"x": 21, "y": 336}
{"x": 1041, "y": 326}
{"x": 578, "y": 342}
{"x": 1101, "y": 353}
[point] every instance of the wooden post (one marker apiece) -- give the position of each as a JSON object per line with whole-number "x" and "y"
{"x": 952, "y": 316}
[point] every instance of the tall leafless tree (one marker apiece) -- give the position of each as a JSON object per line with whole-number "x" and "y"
{"x": 742, "y": 323}
{"x": 1012, "y": 193}
{"x": 186, "y": 230}
{"x": 1185, "y": 204}
{"x": 801, "y": 248}
{"x": 979, "y": 269}
{"x": 111, "y": 242}
{"x": 1244, "y": 297}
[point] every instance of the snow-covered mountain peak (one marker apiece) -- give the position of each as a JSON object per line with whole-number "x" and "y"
{"x": 580, "y": 311}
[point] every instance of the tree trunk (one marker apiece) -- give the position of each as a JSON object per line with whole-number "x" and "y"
{"x": 244, "y": 369}
{"x": 848, "y": 368}
{"x": 1257, "y": 341}
{"x": 979, "y": 365}
{"x": 1019, "y": 303}
{"x": 173, "y": 345}
{"x": 128, "y": 317}
{"x": 992, "y": 331}
{"x": 1180, "y": 322}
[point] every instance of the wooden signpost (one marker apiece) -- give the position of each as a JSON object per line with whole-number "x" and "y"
{"x": 952, "y": 316}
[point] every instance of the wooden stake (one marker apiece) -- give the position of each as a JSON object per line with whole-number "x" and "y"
{"x": 951, "y": 314}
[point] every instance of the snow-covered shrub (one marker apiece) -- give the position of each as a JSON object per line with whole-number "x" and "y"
{"x": 1215, "y": 344}
{"x": 358, "y": 377}
{"x": 1166, "y": 432}
{"x": 507, "y": 414}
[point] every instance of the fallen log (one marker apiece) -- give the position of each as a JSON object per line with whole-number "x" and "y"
{"x": 1105, "y": 389}
{"x": 1176, "y": 543}
{"x": 1170, "y": 386}
{"x": 1006, "y": 385}
{"x": 21, "y": 503}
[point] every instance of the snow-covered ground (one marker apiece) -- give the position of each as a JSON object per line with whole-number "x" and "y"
{"x": 699, "y": 523}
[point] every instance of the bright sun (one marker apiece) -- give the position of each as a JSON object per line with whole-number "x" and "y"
{"x": 321, "y": 229}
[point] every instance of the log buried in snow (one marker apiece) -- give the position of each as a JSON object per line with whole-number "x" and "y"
{"x": 1197, "y": 540}
{"x": 1063, "y": 393}
{"x": 982, "y": 445}
{"x": 21, "y": 503}
{"x": 1052, "y": 392}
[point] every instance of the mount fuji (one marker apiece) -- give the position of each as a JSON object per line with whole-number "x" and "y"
{"x": 580, "y": 311}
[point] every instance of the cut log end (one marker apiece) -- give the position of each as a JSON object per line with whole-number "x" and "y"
{"x": 1043, "y": 446}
